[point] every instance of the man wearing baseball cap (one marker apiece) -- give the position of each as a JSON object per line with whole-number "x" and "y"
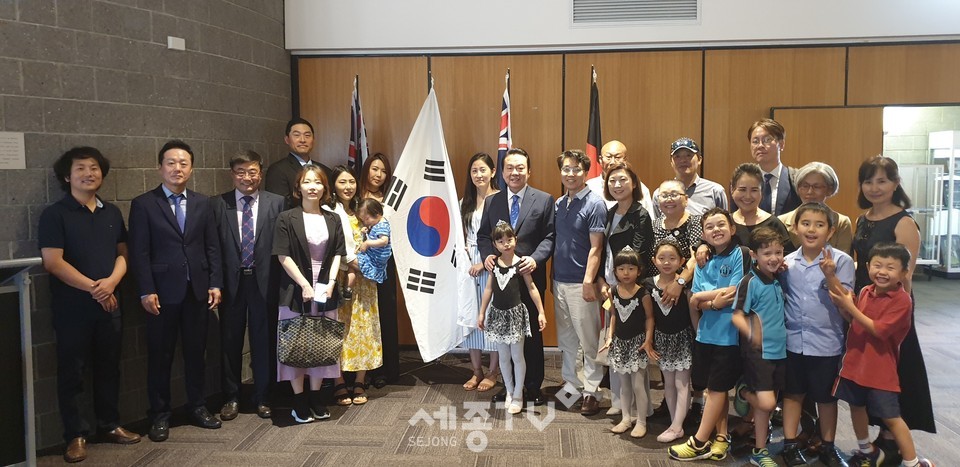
{"x": 702, "y": 194}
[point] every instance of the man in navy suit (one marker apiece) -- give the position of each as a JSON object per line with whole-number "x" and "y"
{"x": 245, "y": 219}
{"x": 766, "y": 142}
{"x": 176, "y": 257}
{"x": 534, "y": 215}
{"x": 283, "y": 174}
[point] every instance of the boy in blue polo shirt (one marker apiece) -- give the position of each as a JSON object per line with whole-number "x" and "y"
{"x": 716, "y": 359}
{"x": 758, "y": 315}
{"x": 815, "y": 330}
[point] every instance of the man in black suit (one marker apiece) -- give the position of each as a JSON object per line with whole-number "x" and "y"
{"x": 245, "y": 219}
{"x": 176, "y": 257}
{"x": 531, "y": 212}
{"x": 766, "y": 142}
{"x": 282, "y": 174}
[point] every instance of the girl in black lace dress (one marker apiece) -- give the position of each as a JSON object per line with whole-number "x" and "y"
{"x": 506, "y": 322}
{"x": 630, "y": 340}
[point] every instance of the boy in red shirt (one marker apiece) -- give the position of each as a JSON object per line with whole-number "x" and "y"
{"x": 868, "y": 379}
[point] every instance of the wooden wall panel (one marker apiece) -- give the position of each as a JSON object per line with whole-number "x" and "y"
{"x": 840, "y": 137}
{"x": 741, "y": 87}
{"x": 904, "y": 74}
{"x": 647, "y": 100}
{"x": 392, "y": 91}
{"x": 470, "y": 93}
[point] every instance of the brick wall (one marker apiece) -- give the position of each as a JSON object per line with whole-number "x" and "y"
{"x": 98, "y": 73}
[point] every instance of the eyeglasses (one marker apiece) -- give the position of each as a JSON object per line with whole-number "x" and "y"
{"x": 240, "y": 173}
{"x": 765, "y": 141}
{"x": 618, "y": 181}
{"x": 670, "y": 196}
{"x": 571, "y": 170}
{"x": 806, "y": 186}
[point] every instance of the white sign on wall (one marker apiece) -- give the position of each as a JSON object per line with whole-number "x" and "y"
{"x": 13, "y": 154}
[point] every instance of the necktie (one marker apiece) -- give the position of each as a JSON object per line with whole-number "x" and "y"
{"x": 178, "y": 210}
{"x": 514, "y": 210}
{"x": 766, "y": 202}
{"x": 246, "y": 234}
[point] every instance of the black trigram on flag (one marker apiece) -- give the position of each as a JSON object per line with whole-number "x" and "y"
{"x": 433, "y": 171}
{"x": 453, "y": 258}
{"x": 421, "y": 281}
{"x": 395, "y": 193}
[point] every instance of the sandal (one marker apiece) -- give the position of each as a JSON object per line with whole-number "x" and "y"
{"x": 359, "y": 398}
{"x": 488, "y": 382}
{"x": 472, "y": 383}
{"x": 345, "y": 398}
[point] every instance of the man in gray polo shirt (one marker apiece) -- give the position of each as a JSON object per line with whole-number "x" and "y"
{"x": 702, "y": 194}
{"x": 580, "y": 218}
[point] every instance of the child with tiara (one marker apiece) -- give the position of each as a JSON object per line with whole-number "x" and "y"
{"x": 507, "y": 322}
{"x": 630, "y": 340}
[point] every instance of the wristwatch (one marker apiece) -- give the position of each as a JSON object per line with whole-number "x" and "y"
{"x": 681, "y": 281}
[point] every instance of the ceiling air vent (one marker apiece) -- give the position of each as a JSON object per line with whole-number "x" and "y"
{"x": 635, "y": 11}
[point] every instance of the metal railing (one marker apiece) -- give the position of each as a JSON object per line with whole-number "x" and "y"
{"x": 21, "y": 284}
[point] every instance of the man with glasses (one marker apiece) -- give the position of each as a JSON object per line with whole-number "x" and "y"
{"x": 611, "y": 154}
{"x": 245, "y": 218}
{"x": 766, "y": 143}
{"x": 702, "y": 194}
{"x": 580, "y": 222}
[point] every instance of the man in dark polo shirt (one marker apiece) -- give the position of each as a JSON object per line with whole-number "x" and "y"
{"x": 83, "y": 243}
{"x": 283, "y": 175}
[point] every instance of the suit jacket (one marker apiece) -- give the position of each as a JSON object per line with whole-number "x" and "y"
{"x": 282, "y": 176}
{"x": 269, "y": 206}
{"x": 535, "y": 229}
{"x": 787, "y": 197}
{"x": 290, "y": 240}
{"x": 635, "y": 229}
{"x": 162, "y": 256}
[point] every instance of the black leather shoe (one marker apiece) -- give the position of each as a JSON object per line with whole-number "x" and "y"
{"x": 379, "y": 382}
{"x": 793, "y": 456}
{"x": 263, "y": 411}
{"x": 202, "y": 418}
{"x": 229, "y": 411}
{"x": 500, "y": 396}
{"x": 537, "y": 397}
{"x": 830, "y": 457}
{"x": 159, "y": 431}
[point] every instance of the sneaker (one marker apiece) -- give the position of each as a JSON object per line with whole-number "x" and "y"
{"x": 793, "y": 456}
{"x": 688, "y": 451}
{"x": 320, "y": 412}
{"x": 830, "y": 457}
{"x": 889, "y": 449}
{"x": 306, "y": 418}
{"x": 719, "y": 448}
{"x": 740, "y": 405}
{"x": 863, "y": 459}
{"x": 761, "y": 458}
{"x": 926, "y": 463}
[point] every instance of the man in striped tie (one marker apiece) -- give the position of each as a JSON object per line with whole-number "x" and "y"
{"x": 245, "y": 218}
